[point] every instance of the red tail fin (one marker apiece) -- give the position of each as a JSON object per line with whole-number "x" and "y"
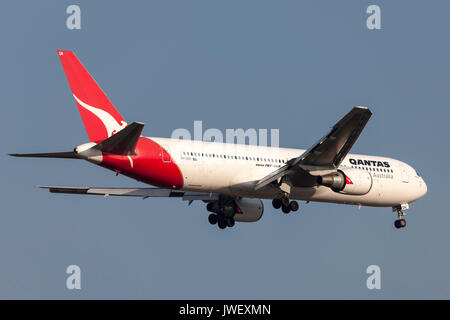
{"x": 99, "y": 116}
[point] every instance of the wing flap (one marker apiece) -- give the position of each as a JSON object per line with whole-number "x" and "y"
{"x": 133, "y": 192}
{"x": 272, "y": 176}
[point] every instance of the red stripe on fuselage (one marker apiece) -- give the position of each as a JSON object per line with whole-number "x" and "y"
{"x": 147, "y": 166}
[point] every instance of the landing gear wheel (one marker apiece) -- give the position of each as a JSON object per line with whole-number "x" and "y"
{"x": 222, "y": 223}
{"x": 293, "y": 206}
{"x": 230, "y": 222}
{"x": 212, "y": 218}
{"x": 286, "y": 209}
{"x": 284, "y": 202}
{"x": 400, "y": 223}
{"x": 276, "y": 203}
{"x": 403, "y": 223}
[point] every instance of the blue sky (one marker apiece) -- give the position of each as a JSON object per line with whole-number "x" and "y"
{"x": 293, "y": 65}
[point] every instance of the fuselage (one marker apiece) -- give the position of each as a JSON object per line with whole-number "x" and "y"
{"x": 233, "y": 169}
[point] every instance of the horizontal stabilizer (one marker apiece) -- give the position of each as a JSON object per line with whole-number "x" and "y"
{"x": 123, "y": 142}
{"x": 63, "y": 155}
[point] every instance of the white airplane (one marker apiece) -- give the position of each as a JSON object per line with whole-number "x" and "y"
{"x": 233, "y": 178}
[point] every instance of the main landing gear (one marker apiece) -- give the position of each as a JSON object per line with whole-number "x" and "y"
{"x": 222, "y": 213}
{"x": 285, "y": 205}
{"x": 400, "y": 222}
{"x": 221, "y": 220}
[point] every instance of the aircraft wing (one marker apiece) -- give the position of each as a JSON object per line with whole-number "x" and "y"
{"x": 135, "y": 192}
{"x": 327, "y": 153}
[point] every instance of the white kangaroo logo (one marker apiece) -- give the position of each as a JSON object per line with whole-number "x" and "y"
{"x": 111, "y": 124}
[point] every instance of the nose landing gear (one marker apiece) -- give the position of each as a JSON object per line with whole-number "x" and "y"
{"x": 400, "y": 222}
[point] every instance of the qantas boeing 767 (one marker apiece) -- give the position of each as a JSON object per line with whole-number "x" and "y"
{"x": 233, "y": 178}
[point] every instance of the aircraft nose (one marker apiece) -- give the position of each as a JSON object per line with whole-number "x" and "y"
{"x": 423, "y": 187}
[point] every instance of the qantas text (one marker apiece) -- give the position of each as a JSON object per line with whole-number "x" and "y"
{"x": 372, "y": 163}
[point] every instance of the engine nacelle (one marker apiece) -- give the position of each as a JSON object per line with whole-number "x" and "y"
{"x": 353, "y": 181}
{"x": 249, "y": 210}
{"x": 243, "y": 210}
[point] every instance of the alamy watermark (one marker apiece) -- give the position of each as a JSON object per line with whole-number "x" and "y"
{"x": 73, "y": 281}
{"x": 251, "y": 136}
{"x": 73, "y": 21}
{"x": 373, "y": 22}
{"x": 196, "y": 151}
{"x": 374, "y": 280}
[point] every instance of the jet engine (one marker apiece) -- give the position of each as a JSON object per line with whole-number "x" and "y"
{"x": 242, "y": 210}
{"x": 249, "y": 210}
{"x": 350, "y": 181}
